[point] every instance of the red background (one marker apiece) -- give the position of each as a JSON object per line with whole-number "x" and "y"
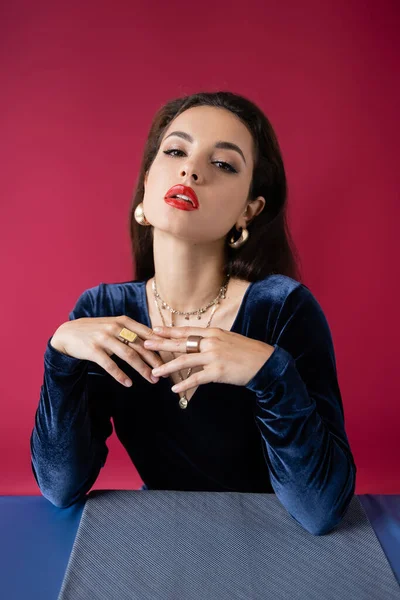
{"x": 80, "y": 84}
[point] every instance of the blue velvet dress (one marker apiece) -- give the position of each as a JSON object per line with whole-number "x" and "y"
{"x": 282, "y": 433}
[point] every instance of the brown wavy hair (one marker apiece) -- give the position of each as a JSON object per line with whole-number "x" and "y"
{"x": 270, "y": 247}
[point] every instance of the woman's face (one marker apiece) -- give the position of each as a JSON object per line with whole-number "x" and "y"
{"x": 222, "y": 189}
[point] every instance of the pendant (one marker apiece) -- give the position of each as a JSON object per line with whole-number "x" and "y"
{"x": 183, "y": 402}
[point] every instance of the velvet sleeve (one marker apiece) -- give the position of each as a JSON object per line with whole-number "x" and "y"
{"x": 72, "y": 421}
{"x": 299, "y": 413}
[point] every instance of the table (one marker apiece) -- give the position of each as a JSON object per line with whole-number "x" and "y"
{"x": 36, "y": 539}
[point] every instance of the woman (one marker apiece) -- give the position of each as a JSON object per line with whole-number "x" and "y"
{"x": 257, "y": 406}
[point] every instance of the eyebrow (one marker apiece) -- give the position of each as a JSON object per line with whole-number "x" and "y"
{"x": 220, "y": 144}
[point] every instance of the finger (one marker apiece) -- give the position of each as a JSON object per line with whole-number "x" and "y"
{"x": 143, "y": 331}
{"x": 129, "y": 355}
{"x": 176, "y": 345}
{"x": 102, "y": 358}
{"x": 151, "y": 357}
{"x": 182, "y": 362}
{"x": 199, "y": 378}
{"x": 184, "y": 332}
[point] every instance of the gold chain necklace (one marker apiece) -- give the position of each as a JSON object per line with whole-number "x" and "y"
{"x": 183, "y": 401}
{"x": 199, "y": 311}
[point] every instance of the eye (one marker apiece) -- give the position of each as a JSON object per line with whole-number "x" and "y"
{"x": 229, "y": 168}
{"x": 226, "y": 166}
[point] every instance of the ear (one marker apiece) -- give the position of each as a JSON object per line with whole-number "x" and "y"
{"x": 254, "y": 208}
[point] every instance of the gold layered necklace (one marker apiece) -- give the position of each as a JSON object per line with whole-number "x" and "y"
{"x": 183, "y": 402}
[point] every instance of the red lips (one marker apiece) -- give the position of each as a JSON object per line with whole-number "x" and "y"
{"x": 186, "y": 191}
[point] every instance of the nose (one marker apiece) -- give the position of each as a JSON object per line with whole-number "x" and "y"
{"x": 185, "y": 173}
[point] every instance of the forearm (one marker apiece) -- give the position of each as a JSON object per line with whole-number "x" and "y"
{"x": 311, "y": 468}
{"x": 66, "y": 457}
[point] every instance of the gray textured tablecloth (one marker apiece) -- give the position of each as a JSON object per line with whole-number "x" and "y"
{"x": 155, "y": 544}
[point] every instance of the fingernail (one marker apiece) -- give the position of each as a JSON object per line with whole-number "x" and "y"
{"x": 154, "y": 378}
{"x": 128, "y": 382}
{"x": 157, "y": 329}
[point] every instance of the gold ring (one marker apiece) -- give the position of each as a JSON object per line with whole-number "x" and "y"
{"x": 126, "y": 336}
{"x": 193, "y": 343}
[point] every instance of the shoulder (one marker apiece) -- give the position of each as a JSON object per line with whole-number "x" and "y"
{"x": 108, "y": 299}
{"x": 275, "y": 287}
{"x": 283, "y": 299}
{"x": 295, "y": 316}
{"x": 277, "y": 290}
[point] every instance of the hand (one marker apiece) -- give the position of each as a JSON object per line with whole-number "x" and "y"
{"x": 96, "y": 339}
{"x": 226, "y": 357}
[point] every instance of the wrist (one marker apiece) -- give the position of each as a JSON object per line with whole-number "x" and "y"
{"x": 56, "y": 342}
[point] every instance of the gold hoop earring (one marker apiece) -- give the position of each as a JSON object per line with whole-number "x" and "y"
{"x": 241, "y": 240}
{"x": 140, "y": 216}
